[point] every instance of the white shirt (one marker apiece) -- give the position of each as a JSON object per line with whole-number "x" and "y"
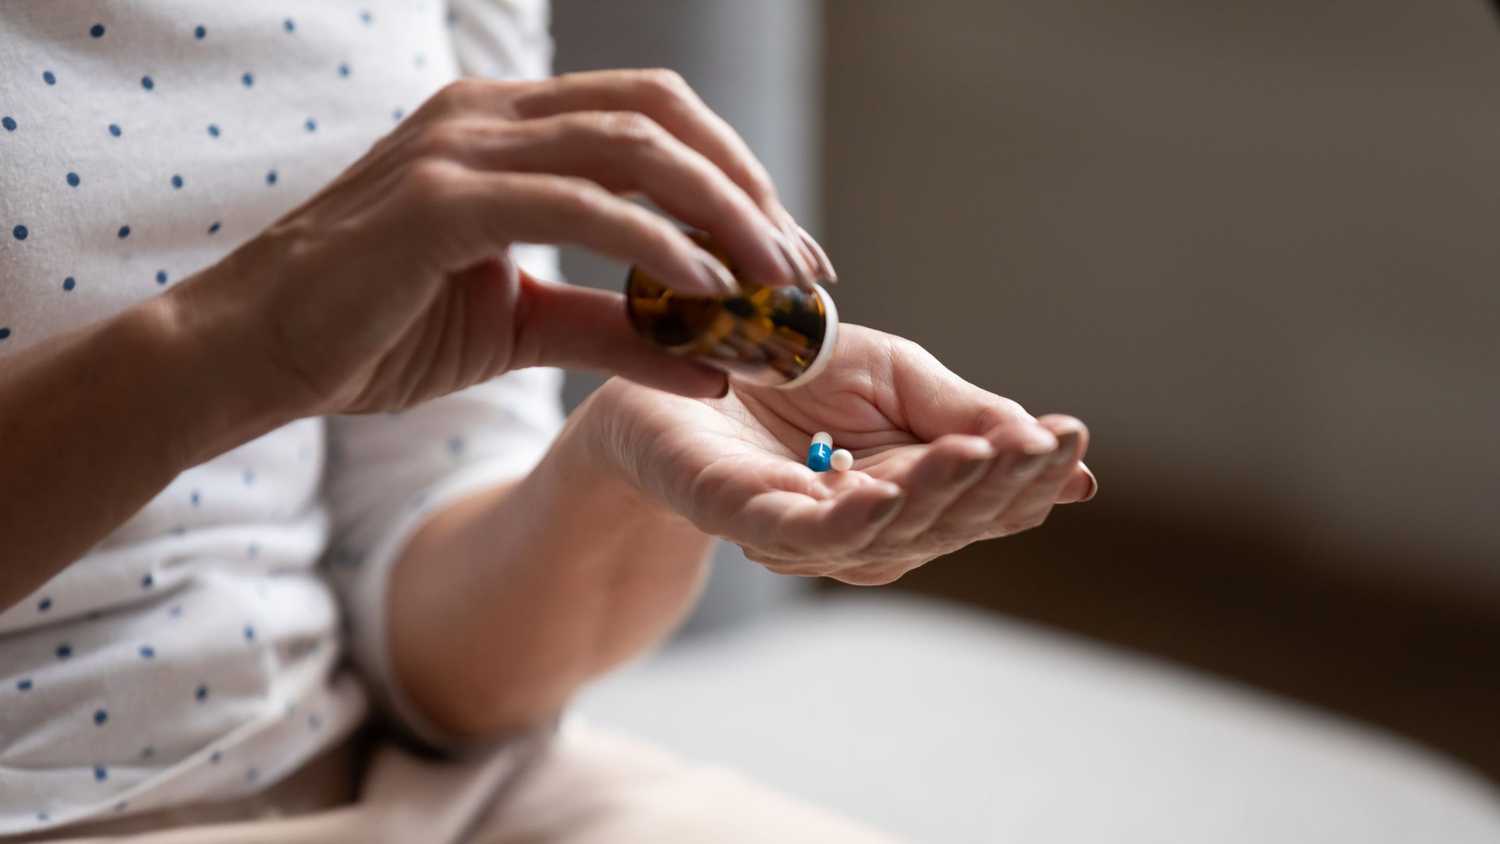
{"x": 197, "y": 652}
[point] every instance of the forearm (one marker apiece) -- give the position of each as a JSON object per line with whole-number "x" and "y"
{"x": 95, "y": 422}
{"x": 504, "y": 603}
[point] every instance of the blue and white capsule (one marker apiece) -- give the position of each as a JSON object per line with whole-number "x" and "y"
{"x": 820, "y": 452}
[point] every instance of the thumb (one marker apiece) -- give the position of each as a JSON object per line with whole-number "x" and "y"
{"x": 579, "y": 328}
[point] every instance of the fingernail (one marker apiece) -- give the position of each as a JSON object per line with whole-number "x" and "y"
{"x": 825, "y": 265}
{"x": 970, "y": 470}
{"x": 1093, "y": 484}
{"x": 1031, "y": 464}
{"x": 1067, "y": 447}
{"x": 1039, "y": 441}
{"x": 800, "y": 272}
{"x": 718, "y": 277}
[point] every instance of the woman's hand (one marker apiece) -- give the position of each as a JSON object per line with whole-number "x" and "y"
{"x": 939, "y": 463}
{"x": 393, "y": 284}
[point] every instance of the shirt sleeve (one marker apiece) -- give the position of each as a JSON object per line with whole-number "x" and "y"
{"x": 389, "y": 472}
{"x": 502, "y": 39}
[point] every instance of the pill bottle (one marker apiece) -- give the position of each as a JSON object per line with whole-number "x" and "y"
{"x": 770, "y": 336}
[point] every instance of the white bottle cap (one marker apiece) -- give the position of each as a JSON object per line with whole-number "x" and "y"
{"x": 830, "y": 339}
{"x": 823, "y": 437}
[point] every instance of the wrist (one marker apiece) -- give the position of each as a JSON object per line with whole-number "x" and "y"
{"x": 221, "y": 399}
{"x": 612, "y": 453}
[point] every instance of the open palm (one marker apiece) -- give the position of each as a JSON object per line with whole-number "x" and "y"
{"x": 939, "y": 463}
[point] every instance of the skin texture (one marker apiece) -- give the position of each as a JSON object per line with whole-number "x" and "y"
{"x": 393, "y": 285}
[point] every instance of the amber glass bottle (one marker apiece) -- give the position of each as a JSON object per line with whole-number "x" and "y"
{"x": 773, "y": 336}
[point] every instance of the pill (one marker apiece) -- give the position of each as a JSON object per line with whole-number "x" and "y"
{"x": 819, "y": 452}
{"x": 841, "y": 460}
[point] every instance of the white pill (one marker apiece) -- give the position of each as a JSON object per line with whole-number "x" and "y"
{"x": 823, "y": 437}
{"x": 842, "y": 460}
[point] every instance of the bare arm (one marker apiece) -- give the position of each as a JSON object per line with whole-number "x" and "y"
{"x": 95, "y": 422}
{"x": 508, "y": 600}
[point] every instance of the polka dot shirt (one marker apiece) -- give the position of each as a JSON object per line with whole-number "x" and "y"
{"x": 199, "y": 652}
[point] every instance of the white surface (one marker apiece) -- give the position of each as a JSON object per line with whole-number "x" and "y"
{"x": 945, "y": 726}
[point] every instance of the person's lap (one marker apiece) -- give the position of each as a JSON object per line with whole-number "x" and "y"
{"x": 583, "y": 786}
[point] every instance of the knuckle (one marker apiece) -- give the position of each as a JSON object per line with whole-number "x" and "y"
{"x": 632, "y": 127}
{"x": 576, "y": 198}
{"x": 440, "y": 140}
{"x": 431, "y": 180}
{"x": 459, "y": 93}
{"x": 665, "y": 85}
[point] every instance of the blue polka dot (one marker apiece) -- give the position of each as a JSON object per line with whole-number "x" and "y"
{"x": 398, "y": 114}
{"x": 199, "y": 31}
{"x": 214, "y": 757}
{"x": 271, "y": 177}
{"x": 43, "y": 817}
{"x": 73, "y": 180}
{"x": 101, "y": 773}
{"x": 147, "y": 83}
{"x": 247, "y": 79}
{"x": 176, "y": 181}
{"x": 69, "y": 283}
{"x": 367, "y": 17}
{"x": 4, "y": 333}
{"x": 196, "y": 498}
{"x": 289, "y": 25}
{"x": 252, "y": 551}
{"x": 175, "y": 611}
{"x": 249, "y": 633}
{"x": 311, "y": 125}
{"x": 213, "y": 130}
{"x": 148, "y": 580}
{"x": 147, "y": 652}
{"x": 43, "y": 605}
{"x": 161, "y": 276}
{"x": 9, "y": 123}
{"x": 97, "y": 30}
{"x": 24, "y": 684}
{"x": 314, "y": 721}
{"x": 201, "y": 693}
{"x": 64, "y": 651}
{"x": 100, "y": 717}
{"x": 455, "y": 445}
{"x": 214, "y": 227}
{"x": 147, "y": 752}
{"x": 123, "y": 233}
{"x": 114, "y": 129}
{"x": 248, "y": 477}
{"x": 20, "y": 232}
{"x": 252, "y": 775}
{"x": 48, "y": 78}
{"x": 344, "y": 69}
{"x": 120, "y": 806}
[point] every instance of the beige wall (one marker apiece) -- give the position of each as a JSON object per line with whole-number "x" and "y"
{"x": 1252, "y": 243}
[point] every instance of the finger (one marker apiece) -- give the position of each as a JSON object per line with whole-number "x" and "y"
{"x": 664, "y": 96}
{"x": 797, "y": 527}
{"x": 938, "y": 402}
{"x": 477, "y": 213}
{"x": 1081, "y": 486}
{"x": 1031, "y": 506}
{"x": 936, "y": 477}
{"x": 579, "y": 328}
{"x": 1022, "y": 459}
{"x": 627, "y": 152}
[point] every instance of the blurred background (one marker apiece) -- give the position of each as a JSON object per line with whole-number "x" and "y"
{"x": 1252, "y": 245}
